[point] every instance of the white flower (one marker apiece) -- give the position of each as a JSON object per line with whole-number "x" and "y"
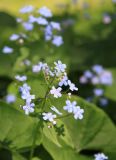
{"x": 72, "y": 86}
{"x": 57, "y": 41}
{"x": 97, "y": 69}
{"x": 100, "y": 156}
{"x": 56, "y": 92}
{"x": 14, "y": 37}
{"x": 42, "y": 21}
{"x": 27, "y": 9}
{"x": 70, "y": 106}
{"x": 28, "y": 26}
{"x": 10, "y": 98}
{"x": 56, "y": 110}
{"x": 98, "y": 92}
{"x": 21, "y": 78}
{"x": 59, "y": 66}
{"x": 29, "y": 108}
{"x": 78, "y": 112}
{"x": 44, "y": 11}
{"x": 49, "y": 117}
{"x": 55, "y": 25}
{"x": 64, "y": 81}
{"x": 7, "y": 50}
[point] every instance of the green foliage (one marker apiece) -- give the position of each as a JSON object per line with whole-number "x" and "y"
{"x": 94, "y": 132}
{"x": 18, "y": 130}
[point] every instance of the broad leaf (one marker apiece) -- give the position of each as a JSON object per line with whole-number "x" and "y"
{"x": 94, "y": 132}
{"x": 17, "y": 129}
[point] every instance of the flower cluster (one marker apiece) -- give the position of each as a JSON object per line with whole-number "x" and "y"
{"x": 100, "y": 78}
{"x": 25, "y": 95}
{"x": 58, "y": 73}
{"x": 36, "y": 20}
{"x": 72, "y": 108}
{"x": 55, "y": 77}
{"x": 100, "y": 156}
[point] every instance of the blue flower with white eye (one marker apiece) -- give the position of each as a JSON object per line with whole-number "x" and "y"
{"x": 49, "y": 117}
{"x": 32, "y": 19}
{"x": 106, "y": 78}
{"x": 88, "y": 74}
{"x": 70, "y": 106}
{"x": 26, "y": 9}
{"x": 97, "y": 69}
{"x": 55, "y": 25}
{"x": 7, "y": 50}
{"x": 46, "y": 12}
{"x": 57, "y": 41}
{"x": 56, "y": 92}
{"x": 25, "y": 88}
{"x": 27, "y": 96}
{"x": 29, "y": 108}
{"x": 78, "y": 112}
{"x": 10, "y": 98}
{"x": 48, "y": 33}
{"x": 60, "y": 67}
{"x": 21, "y": 78}
{"x": 64, "y": 81}
{"x": 28, "y": 26}
{"x": 100, "y": 156}
{"x": 14, "y": 37}
{"x": 98, "y": 91}
{"x": 41, "y": 21}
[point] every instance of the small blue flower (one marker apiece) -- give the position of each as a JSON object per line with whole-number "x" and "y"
{"x": 7, "y": 50}
{"x": 26, "y": 9}
{"x": 57, "y": 41}
{"x": 44, "y": 11}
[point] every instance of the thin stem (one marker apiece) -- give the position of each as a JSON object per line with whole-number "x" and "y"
{"x": 35, "y": 136}
{"x": 67, "y": 115}
{"x": 34, "y": 142}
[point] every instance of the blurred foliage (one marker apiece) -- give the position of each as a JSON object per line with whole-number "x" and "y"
{"x": 87, "y": 41}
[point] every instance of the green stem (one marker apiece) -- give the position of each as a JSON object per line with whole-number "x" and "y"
{"x": 34, "y": 141}
{"x": 67, "y": 115}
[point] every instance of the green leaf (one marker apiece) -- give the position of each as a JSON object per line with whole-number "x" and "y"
{"x": 94, "y": 132}
{"x": 62, "y": 152}
{"x": 17, "y": 129}
{"x": 19, "y": 66}
{"x": 16, "y": 156}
